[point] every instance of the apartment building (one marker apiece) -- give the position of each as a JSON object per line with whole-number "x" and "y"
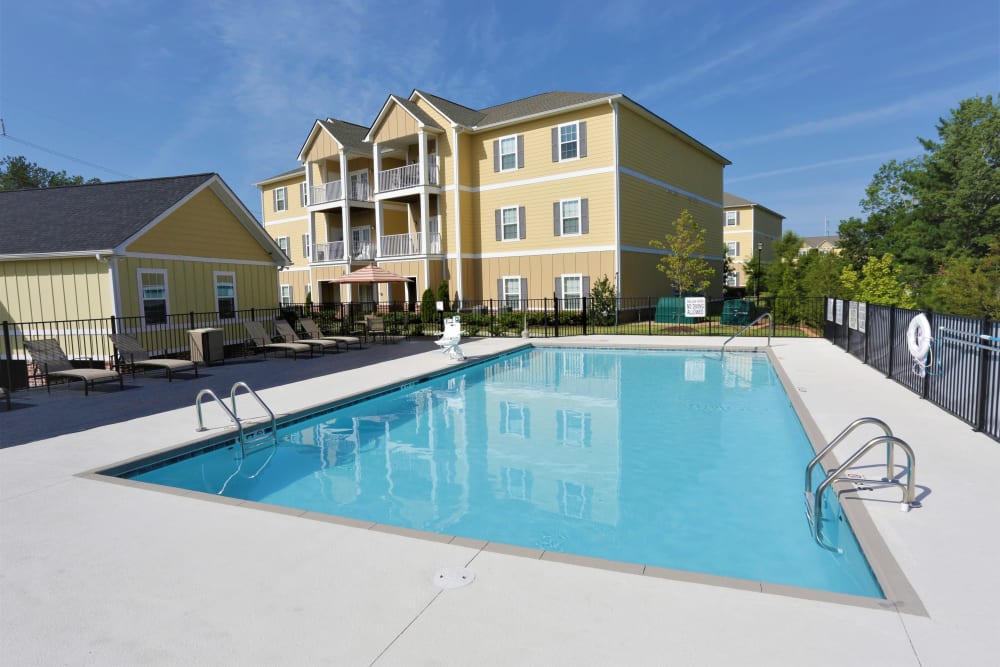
{"x": 749, "y": 229}
{"x": 528, "y": 199}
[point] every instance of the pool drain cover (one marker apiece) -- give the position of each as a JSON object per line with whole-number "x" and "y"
{"x": 454, "y": 577}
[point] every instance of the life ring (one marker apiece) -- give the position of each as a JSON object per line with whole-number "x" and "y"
{"x": 918, "y": 337}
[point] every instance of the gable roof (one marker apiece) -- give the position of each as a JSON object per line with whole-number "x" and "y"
{"x": 411, "y": 108}
{"x": 98, "y": 218}
{"x": 732, "y": 201}
{"x": 817, "y": 241}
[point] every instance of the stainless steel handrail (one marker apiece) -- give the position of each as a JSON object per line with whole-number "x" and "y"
{"x": 857, "y": 423}
{"x": 232, "y": 399}
{"x": 232, "y": 415}
{"x": 908, "y": 493}
{"x": 770, "y": 331}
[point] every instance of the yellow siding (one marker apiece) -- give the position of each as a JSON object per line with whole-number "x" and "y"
{"x": 538, "y": 147}
{"x": 322, "y": 146}
{"x": 191, "y": 285}
{"x": 652, "y": 150}
{"x": 648, "y": 212}
{"x": 293, "y": 198}
{"x": 54, "y": 289}
{"x": 541, "y": 272}
{"x": 442, "y": 143}
{"x": 201, "y": 227}
{"x": 643, "y": 279}
{"x": 397, "y": 123}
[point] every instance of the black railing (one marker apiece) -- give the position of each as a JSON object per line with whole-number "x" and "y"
{"x": 961, "y": 374}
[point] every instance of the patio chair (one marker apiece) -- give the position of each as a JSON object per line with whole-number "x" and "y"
{"x": 451, "y": 337}
{"x": 286, "y": 331}
{"x": 315, "y": 332}
{"x": 260, "y": 340}
{"x": 375, "y": 328}
{"x": 52, "y": 362}
{"x": 133, "y": 354}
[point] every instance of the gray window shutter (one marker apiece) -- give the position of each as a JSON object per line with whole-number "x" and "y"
{"x": 558, "y": 287}
{"x": 586, "y": 286}
{"x": 524, "y": 291}
{"x": 555, "y": 144}
{"x": 520, "y": 151}
{"x": 583, "y": 138}
{"x": 521, "y": 225}
{"x": 496, "y": 155}
{"x": 556, "y": 219}
{"x": 500, "y": 289}
{"x": 737, "y": 248}
{"x": 584, "y": 216}
{"x": 499, "y": 225}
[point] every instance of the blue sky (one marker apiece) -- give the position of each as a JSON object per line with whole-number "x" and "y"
{"x": 806, "y": 99}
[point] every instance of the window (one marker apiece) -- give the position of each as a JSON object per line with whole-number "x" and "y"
{"x": 306, "y": 246}
{"x": 285, "y": 244}
{"x": 286, "y": 295}
{"x": 280, "y": 199}
{"x": 514, "y": 419}
{"x": 732, "y": 218}
{"x": 510, "y": 291}
{"x": 570, "y": 217}
{"x": 225, "y": 294}
{"x": 574, "y": 499}
{"x": 517, "y": 483}
{"x": 571, "y": 290}
{"x": 153, "y": 295}
{"x": 732, "y": 248}
{"x": 509, "y": 223}
{"x": 573, "y": 428}
{"x": 508, "y": 153}
{"x": 303, "y": 194}
{"x": 568, "y": 147}
{"x": 732, "y": 279}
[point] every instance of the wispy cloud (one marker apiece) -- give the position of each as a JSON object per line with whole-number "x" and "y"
{"x": 899, "y": 153}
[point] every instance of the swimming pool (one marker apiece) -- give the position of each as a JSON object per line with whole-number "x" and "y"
{"x": 673, "y": 459}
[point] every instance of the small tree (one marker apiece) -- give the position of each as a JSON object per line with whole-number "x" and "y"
{"x": 602, "y": 302}
{"x": 879, "y": 283}
{"x": 442, "y": 294}
{"x": 428, "y": 306}
{"x": 688, "y": 272}
{"x": 728, "y": 270}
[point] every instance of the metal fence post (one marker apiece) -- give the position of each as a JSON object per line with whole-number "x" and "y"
{"x": 555, "y": 307}
{"x": 892, "y": 341}
{"x": 584, "y": 316}
{"x": 649, "y": 310}
{"x": 984, "y": 364}
{"x": 925, "y": 389}
{"x": 9, "y": 358}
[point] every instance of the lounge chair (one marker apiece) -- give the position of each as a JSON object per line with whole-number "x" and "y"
{"x": 52, "y": 362}
{"x": 286, "y": 331}
{"x": 262, "y": 341}
{"x": 375, "y": 328}
{"x": 5, "y": 396}
{"x": 133, "y": 354}
{"x": 315, "y": 332}
{"x": 451, "y": 337}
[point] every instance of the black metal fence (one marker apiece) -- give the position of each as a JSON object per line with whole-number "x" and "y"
{"x": 961, "y": 373}
{"x": 86, "y": 342}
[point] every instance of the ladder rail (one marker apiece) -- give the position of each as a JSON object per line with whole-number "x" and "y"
{"x": 854, "y": 425}
{"x": 230, "y": 413}
{"x": 770, "y": 330}
{"x": 232, "y": 398}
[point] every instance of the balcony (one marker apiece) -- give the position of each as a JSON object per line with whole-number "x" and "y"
{"x": 399, "y": 245}
{"x": 401, "y": 178}
{"x": 329, "y": 252}
{"x": 334, "y": 191}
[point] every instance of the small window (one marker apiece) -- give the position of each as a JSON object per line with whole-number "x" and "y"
{"x": 568, "y": 145}
{"x": 285, "y": 244}
{"x": 225, "y": 294}
{"x": 306, "y": 246}
{"x": 517, "y": 483}
{"x": 512, "y": 292}
{"x": 514, "y": 419}
{"x": 573, "y": 428}
{"x": 732, "y": 248}
{"x": 286, "y": 295}
{"x": 574, "y": 499}
{"x": 732, "y": 218}
{"x": 571, "y": 217}
{"x": 303, "y": 194}
{"x": 280, "y": 199}
{"x": 508, "y": 153}
{"x": 572, "y": 291}
{"x": 153, "y": 295}
{"x": 732, "y": 279}
{"x": 510, "y": 223}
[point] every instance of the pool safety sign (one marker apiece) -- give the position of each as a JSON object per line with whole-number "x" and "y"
{"x": 694, "y": 306}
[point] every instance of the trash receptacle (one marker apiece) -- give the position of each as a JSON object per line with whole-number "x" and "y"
{"x": 207, "y": 345}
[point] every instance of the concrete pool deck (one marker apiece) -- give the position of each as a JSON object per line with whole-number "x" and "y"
{"x": 95, "y": 572}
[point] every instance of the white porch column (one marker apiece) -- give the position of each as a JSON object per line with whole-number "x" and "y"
{"x": 309, "y": 182}
{"x": 345, "y": 211}
{"x": 344, "y": 176}
{"x": 457, "y": 213}
{"x": 425, "y": 235}
{"x": 377, "y": 162}
{"x": 422, "y": 156}
{"x": 379, "y": 221}
{"x": 312, "y": 236}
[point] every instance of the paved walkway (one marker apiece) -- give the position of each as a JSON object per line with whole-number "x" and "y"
{"x": 102, "y": 573}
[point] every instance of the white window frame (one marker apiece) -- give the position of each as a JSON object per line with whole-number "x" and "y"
{"x": 504, "y": 223}
{"x": 573, "y": 499}
{"x": 231, "y": 275}
{"x": 732, "y": 248}
{"x": 732, "y": 218}
{"x": 732, "y": 279}
{"x": 307, "y": 246}
{"x": 578, "y": 217}
{"x": 515, "y": 481}
{"x": 566, "y": 295}
{"x": 512, "y": 299}
{"x": 359, "y": 179}
{"x": 512, "y": 154}
{"x": 285, "y": 295}
{"x": 575, "y": 141}
{"x": 142, "y": 298}
{"x": 518, "y": 425}
{"x": 280, "y": 199}
{"x": 303, "y": 194}
{"x": 285, "y": 243}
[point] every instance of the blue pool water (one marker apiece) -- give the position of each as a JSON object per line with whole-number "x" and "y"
{"x": 674, "y": 459}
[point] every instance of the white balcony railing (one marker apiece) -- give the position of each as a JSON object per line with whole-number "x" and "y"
{"x": 334, "y": 191}
{"x": 408, "y": 176}
{"x": 398, "y": 245}
{"x": 329, "y": 252}
{"x": 362, "y": 251}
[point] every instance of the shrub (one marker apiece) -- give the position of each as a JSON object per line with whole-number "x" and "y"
{"x": 442, "y": 294}
{"x": 428, "y": 306}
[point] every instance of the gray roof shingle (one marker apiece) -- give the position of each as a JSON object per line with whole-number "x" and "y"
{"x": 350, "y": 135}
{"x": 536, "y": 104}
{"x": 86, "y": 217}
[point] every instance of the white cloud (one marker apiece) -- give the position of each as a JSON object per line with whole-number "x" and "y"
{"x": 899, "y": 153}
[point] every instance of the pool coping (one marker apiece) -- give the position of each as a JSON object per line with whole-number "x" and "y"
{"x": 900, "y": 596}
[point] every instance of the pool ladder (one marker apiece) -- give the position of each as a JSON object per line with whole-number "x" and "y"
{"x": 770, "y": 331}
{"x": 255, "y": 437}
{"x": 814, "y": 504}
